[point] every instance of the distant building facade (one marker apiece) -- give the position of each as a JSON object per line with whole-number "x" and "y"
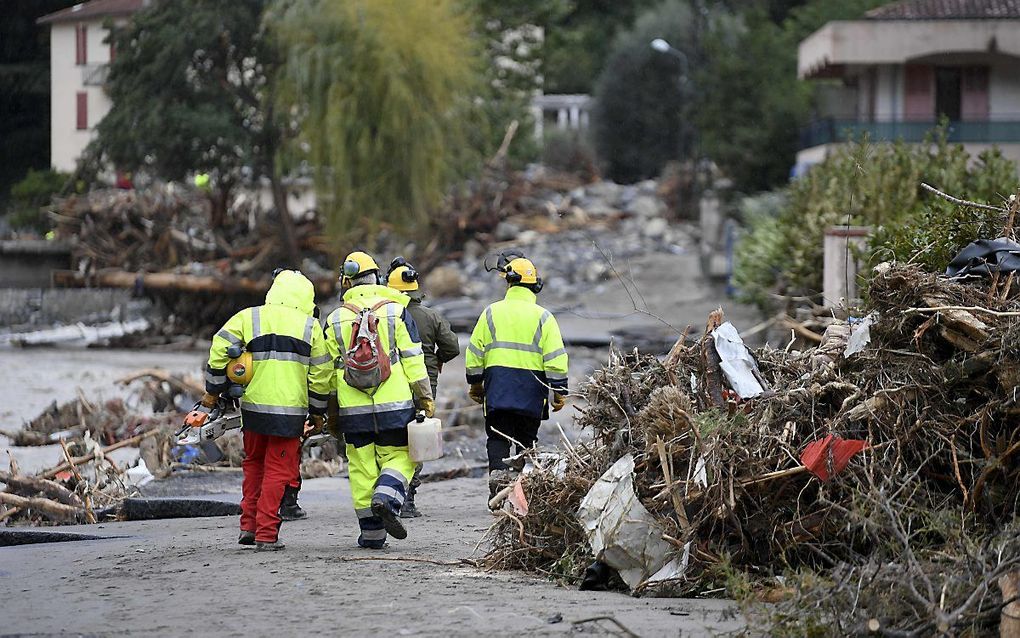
{"x": 80, "y": 54}
{"x": 906, "y": 65}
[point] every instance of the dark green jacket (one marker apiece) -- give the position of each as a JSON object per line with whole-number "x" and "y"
{"x": 438, "y": 341}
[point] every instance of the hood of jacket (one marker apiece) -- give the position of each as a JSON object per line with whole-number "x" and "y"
{"x": 376, "y": 291}
{"x": 294, "y": 290}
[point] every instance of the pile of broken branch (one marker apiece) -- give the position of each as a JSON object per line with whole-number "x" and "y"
{"x": 869, "y": 483}
{"x": 159, "y": 242}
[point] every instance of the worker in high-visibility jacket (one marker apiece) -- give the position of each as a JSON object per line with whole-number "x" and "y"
{"x": 515, "y": 361}
{"x": 287, "y": 393}
{"x": 374, "y": 421}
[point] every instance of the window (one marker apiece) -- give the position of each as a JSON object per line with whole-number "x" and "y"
{"x": 82, "y": 111}
{"x": 948, "y": 94}
{"x": 81, "y": 41}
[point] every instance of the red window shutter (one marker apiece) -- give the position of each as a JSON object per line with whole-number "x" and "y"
{"x": 919, "y": 92}
{"x": 974, "y": 102}
{"x": 82, "y": 111}
{"x": 81, "y": 41}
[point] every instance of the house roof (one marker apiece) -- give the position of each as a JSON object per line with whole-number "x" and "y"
{"x": 93, "y": 10}
{"x": 946, "y": 10}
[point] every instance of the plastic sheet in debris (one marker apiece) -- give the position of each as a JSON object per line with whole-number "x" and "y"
{"x": 737, "y": 364}
{"x": 860, "y": 335}
{"x": 622, "y": 533}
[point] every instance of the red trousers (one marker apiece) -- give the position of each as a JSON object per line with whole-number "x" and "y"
{"x": 270, "y": 464}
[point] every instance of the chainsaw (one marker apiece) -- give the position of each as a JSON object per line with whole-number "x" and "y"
{"x": 208, "y": 424}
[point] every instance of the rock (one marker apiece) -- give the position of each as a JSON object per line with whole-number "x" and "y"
{"x": 507, "y": 231}
{"x": 655, "y": 228}
{"x": 646, "y": 206}
{"x": 444, "y": 281}
{"x": 528, "y": 237}
{"x": 648, "y": 187}
{"x": 598, "y": 208}
{"x": 608, "y": 192}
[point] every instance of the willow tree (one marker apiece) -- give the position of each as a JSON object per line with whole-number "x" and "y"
{"x": 380, "y": 94}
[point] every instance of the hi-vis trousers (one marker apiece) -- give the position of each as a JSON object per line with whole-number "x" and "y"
{"x": 379, "y": 466}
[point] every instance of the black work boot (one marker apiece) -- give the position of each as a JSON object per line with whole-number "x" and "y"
{"x": 275, "y": 546}
{"x": 408, "y": 509}
{"x": 246, "y": 538}
{"x": 289, "y": 508}
{"x": 389, "y": 516}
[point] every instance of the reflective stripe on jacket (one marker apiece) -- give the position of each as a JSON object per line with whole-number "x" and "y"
{"x": 517, "y": 351}
{"x": 391, "y": 405}
{"x": 291, "y": 364}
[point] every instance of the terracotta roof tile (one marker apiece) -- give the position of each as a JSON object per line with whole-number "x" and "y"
{"x": 93, "y": 10}
{"x": 946, "y": 10}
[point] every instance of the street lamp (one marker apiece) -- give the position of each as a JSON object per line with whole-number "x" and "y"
{"x": 660, "y": 45}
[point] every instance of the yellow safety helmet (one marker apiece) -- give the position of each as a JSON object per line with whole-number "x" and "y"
{"x": 240, "y": 369}
{"x": 522, "y": 271}
{"x": 403, "y": 278}
{"x": 355, "y": 265}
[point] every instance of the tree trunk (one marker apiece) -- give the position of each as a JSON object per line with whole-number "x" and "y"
{"x": 286, "y": 221}
{"x": 219, "y": 200}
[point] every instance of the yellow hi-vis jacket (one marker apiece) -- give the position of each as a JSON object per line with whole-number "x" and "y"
{"x": 391, "y": 405}
{"x": 291, "y": 364}
{"x": 517, "y": 351}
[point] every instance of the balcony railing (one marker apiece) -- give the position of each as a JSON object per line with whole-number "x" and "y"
{"x": 94, "y": 74}
{"x": 831, "y": 131}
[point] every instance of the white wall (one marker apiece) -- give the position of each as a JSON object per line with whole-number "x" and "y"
{"x": 66, "y": 80}
{"x": 889, "y": 97}
{"x": 1004, "y": 90}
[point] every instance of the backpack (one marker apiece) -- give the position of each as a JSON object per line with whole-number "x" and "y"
{"x": 366, "y": 364}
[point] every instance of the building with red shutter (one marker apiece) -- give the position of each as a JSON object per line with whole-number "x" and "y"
{"x": 80, "y": 52}
{"x": 904, "y": 66}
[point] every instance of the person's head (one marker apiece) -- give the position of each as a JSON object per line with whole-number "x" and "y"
{"x": 521, "y": 272}
{"x": 402, "y": 276}
{"x": 292, "y": 289}
{"x": 358, "y": 269}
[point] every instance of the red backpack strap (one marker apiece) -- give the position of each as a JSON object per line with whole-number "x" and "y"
{"x": 381, "y": 304}
{"x": 349, "y": 306}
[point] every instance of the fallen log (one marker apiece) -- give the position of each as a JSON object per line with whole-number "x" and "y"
{"x": 29, "y": 485}
{"x": 175, "y": 282}
{"x": 43, "y": 505}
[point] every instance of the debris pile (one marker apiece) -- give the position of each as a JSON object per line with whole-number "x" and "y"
{"x": 869, "y": 483}
{"x": 159, "y": 242}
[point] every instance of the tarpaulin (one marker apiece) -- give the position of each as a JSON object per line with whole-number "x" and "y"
{"x": 985, "y": 256}
{"x": 625, "y": 535}
{"x": 831, "y": 453}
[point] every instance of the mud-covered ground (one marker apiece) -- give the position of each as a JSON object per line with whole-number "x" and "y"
{"x": 177, "y": 577}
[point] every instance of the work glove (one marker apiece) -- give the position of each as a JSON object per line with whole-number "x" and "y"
{"x": 200, "y": 413}
{"x": 558, "y": 401}
{"x": 314, "y": 425}
{"x": 477, "y": 392}
{"x": 428, "y": 406}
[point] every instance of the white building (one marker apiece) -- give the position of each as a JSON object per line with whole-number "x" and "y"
{"x": 79, "y": 54}
{"x": 905, "y": 65}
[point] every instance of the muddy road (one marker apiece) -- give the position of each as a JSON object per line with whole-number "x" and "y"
{"x": 181, "y": 577}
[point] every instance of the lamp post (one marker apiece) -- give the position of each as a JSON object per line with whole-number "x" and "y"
{"x": 662, "y": 46}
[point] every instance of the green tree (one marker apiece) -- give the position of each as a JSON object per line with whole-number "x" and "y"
{"x": 576, "y": 41}
{"x": 196, "y": 100}
{"x": 641, "y": 96}
{"x": 24, "y": 89}
{"x": 381, "y": 90}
